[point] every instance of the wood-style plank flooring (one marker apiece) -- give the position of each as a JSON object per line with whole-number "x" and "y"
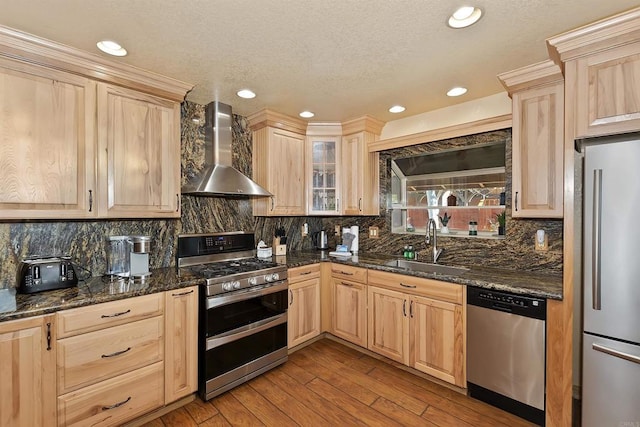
{"x": 330, "y": 384}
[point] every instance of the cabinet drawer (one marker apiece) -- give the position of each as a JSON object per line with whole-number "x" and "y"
{"x": 114, "y": 401}
{"x": 304, "y": 273}
{"x": 435, "y": 289}
{"x": 86, "y": 319}
{"x": 348, "y": 272}
{"x": 89, "y": 358}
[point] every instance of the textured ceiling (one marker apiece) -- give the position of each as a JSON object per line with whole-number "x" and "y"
{"x": 338, "y": 58}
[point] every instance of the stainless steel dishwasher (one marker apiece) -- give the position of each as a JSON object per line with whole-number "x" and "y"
{"x": 506, "y": 351}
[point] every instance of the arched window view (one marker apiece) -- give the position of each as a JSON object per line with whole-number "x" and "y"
{"x": 461, "y": 189}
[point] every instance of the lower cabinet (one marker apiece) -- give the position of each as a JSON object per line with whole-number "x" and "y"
{"x": 28, "y": 372}
{"x": 349, "y": 320}
{"x": 304, "y": 304}
{"x": 115, "y": 371}
{"x": 420, "y": 323}
{"x": 181, "y": 343}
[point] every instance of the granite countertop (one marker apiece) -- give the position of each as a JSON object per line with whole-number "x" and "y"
{"x": 92, "y": 291}
{"x": 516, "y": 281}
{"x": 97, "y": 289}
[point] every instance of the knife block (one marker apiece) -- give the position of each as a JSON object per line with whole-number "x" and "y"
{"x": 278, "y": 248}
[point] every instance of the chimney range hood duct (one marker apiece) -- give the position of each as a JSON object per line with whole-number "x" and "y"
{"x": 218, "y": 177}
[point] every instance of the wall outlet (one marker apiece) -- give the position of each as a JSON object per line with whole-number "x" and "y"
{"x": 541, "y": 241}
{"x": 374, "y": 233}
{"x": 305, "y": 229}
{"x": 337, "y": 230}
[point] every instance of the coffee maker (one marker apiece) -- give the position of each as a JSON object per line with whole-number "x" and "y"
{"x": 140, "y": 248}
{"x": 128, "y": 256}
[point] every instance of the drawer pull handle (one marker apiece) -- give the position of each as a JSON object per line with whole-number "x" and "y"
{"x": 347, "y": 284}
{"x": 305, "y": 273}
{"x": 116, "y": 405}
{"x": 106, "y": 316}
{"x": 182, "y": 293}
{"x": 345, "y": 273}
{"x": 408, "y": 286}
{"x": 117, "y": 353}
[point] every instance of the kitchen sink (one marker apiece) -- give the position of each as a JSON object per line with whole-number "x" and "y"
{"x": 426, "y": 267}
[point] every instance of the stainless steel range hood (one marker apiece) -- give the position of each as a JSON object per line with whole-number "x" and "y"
{"x": 218, "y": 177}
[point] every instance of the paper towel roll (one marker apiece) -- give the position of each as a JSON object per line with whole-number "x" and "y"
{"x": 355, "y": 230}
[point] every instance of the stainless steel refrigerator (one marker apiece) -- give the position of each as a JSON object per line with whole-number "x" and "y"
{"x": 611, "y": 282}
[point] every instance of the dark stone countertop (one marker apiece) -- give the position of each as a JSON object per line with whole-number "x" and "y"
{"x": 515, "y": 281}
{"x": 96, "y": 290}
{"x": 92, "y": 291}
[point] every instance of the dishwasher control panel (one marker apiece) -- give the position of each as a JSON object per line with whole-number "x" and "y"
{"x": 508, "y": 302}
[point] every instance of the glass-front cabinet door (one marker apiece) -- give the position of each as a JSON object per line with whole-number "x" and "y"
{"x": 323, "y": 175}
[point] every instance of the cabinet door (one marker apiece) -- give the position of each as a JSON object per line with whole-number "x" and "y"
{"x": 139, "y": 154}
{"x": 607, "y": 95}
{"x": 304, "y": 311}
{"x": 360, "y": 176}
{"x": 47, "y": 150}
{"x": 278, "y": 166}
{"x": 27, "y": 373}
{"x": 181, "y": 343}
{"x": 349, "y": 311}
{"x": 389, "y": 323}
{"x": 538, "y": 135}
{"x": 438, "y": 339}
{"x": 323, "y": 176}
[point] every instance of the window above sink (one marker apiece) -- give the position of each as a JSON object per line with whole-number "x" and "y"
{"x": 465, "y": 184}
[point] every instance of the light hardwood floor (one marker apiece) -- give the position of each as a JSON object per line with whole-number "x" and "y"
{"x": 330, "y": 384}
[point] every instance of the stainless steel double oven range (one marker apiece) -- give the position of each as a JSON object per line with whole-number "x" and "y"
{"x": 242, "y": 309}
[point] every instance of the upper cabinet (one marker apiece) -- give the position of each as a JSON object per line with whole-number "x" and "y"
{"x": 83, "y": 136}
{"x": 278, "y": 163}
{"x": 361, "y": 169}
{"x": 324, "y": 169}
{"x": 602, "y": 72}
{"x": 538, "y": 140}
{"x": 47, "y": 164}
{"x": 139, "y": 142}
{"x": 329, "y": 170}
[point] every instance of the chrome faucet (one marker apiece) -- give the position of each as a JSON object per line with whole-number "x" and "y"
{"x": 427, "y": 240}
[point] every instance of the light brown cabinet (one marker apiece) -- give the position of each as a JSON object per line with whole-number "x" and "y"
{"x": 47, "y": 154}
{"x": 324, "y": 175}
{"x": 607, "y": 96}
{"x": 181, "y": 343}
{"x": 419, "y": 322}
{"x": 349, "y": 302}
{"x": 110, "y": 361}
{"x": 304, "y": 304}
{"x": 360, "y": 168}
{"x": 279, "y": 163}
{"x": 538, "y": 140}
{"x": 139, "y": 152}
{"x": 388, "y": 326}
{"x": 27, "y": 372}
{"x": 85, "y": 137}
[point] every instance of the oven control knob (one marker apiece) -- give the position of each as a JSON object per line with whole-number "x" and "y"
{"x": 275, "y": 276}
{"x": 268, "y": 277}
{"x": 236, "y": 285}
{"x": 227, "y": 286}
{"x": 253, "y": 281}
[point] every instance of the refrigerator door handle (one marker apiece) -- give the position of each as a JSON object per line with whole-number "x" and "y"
{"x": 616, "y": 353}
{"x": 597, "y": 234}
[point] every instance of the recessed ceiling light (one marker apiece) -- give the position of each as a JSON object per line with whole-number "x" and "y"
{"x": 246, "y": 93}
{"x": 465, "y": 16}
{"x": 396, "y": 109}
{"x": 307, "y": 114}
{"x": 111, "y": 47}
{"x": 457, "y": 91}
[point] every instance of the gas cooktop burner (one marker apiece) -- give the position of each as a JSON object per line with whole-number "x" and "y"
{"x": 226, "y": 262}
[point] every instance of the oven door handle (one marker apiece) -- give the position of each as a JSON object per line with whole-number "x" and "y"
{"x": 245, "y": 331}
{"x": 217, "y": 301}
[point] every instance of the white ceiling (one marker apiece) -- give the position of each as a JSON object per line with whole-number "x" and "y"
{"x": 338, "y": 58}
